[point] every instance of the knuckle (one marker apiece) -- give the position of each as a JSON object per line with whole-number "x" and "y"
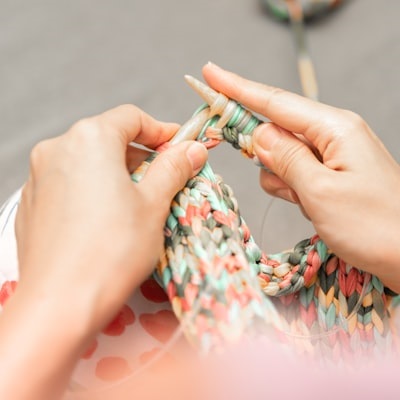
{"x": 86, "y": 129}
{"x": 38, "y": 153}
{"x": 353, "y": 120}
{"x": 274, "y": 94}
{"x": 130, "y": 108}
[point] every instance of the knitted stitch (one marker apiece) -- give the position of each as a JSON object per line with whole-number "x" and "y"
{"x": 214, "y": 273}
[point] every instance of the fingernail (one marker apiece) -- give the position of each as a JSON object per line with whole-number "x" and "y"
{"x": 266, "y": 136}
{"x": 197, "y": 155}
{"x": 258, "y": 162}
{"x": 213, "y": 65}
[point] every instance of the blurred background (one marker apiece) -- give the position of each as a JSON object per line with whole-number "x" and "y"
{"x": 64, "y": 60}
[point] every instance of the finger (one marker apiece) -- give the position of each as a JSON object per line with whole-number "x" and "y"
{"x": 276, "y": 187}
{"x": 130, "y": 124}
{"x": 170, "y": 171}
{"x": 139, "y": 126}
{"x": 288, "y": 110}
{"x": 287, "y": 156}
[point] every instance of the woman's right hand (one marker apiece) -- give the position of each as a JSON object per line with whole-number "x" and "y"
{"x": 330, "y": 162}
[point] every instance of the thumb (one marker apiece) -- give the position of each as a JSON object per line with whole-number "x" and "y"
{"x": 286, "y": 155}
{"x": 172, "y": 168}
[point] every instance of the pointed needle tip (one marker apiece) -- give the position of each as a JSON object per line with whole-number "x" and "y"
{"x": 204, "y": 91}
{"x": 193, "y": 82}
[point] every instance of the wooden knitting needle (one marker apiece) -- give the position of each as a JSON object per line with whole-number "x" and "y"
{"x": 304, "y": 62}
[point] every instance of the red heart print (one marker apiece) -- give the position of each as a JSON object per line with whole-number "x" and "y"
{"x": 161, "y": 325}
{"x": 152, "y": 291}
{"x": 117, "y": 326}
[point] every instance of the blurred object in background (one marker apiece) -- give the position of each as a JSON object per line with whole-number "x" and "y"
{"x": 297, "y": 11}
{"x": 310, "y": 8}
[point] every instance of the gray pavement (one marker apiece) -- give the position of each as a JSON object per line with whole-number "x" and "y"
{"x": 63, "y": 60}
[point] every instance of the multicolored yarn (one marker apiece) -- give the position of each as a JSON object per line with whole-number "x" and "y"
{"x": 208, "y": 277}
{"x": 310, "y": 8}
{"x": 221, "y": 284}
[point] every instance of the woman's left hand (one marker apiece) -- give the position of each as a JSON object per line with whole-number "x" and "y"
{"x": 87, "y": 235}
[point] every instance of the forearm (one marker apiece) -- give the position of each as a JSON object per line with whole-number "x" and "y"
{"x": 40, "y": 343}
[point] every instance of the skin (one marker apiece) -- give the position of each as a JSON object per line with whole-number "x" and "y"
{"x": 329, "y": 162}
{"x": 78, "y": 200}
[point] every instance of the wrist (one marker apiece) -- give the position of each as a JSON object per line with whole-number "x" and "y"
{"x": 40, "y": 343}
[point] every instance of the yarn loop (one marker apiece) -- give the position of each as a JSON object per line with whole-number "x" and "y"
{"x": 221, "y": 284}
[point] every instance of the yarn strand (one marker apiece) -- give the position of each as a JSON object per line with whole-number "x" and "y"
{"x": 221, "y": 284}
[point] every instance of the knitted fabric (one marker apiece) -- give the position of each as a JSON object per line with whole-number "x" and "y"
{"x": 221, "y": 284}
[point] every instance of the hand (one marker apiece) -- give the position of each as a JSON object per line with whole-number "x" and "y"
{"x": 87, "y": 236}
{"x": 329, "y": 162}
{"x": 83, "y": 223}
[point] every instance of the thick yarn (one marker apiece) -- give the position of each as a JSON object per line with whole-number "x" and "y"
{"x": 221, "y": 284}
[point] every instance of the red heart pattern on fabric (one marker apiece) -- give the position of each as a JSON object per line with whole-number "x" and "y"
{"x": 112, "y": 369}
{"x": 117, "y": 326}
{"x": 161, "y": 325}
{"x": 152, "y": 291}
